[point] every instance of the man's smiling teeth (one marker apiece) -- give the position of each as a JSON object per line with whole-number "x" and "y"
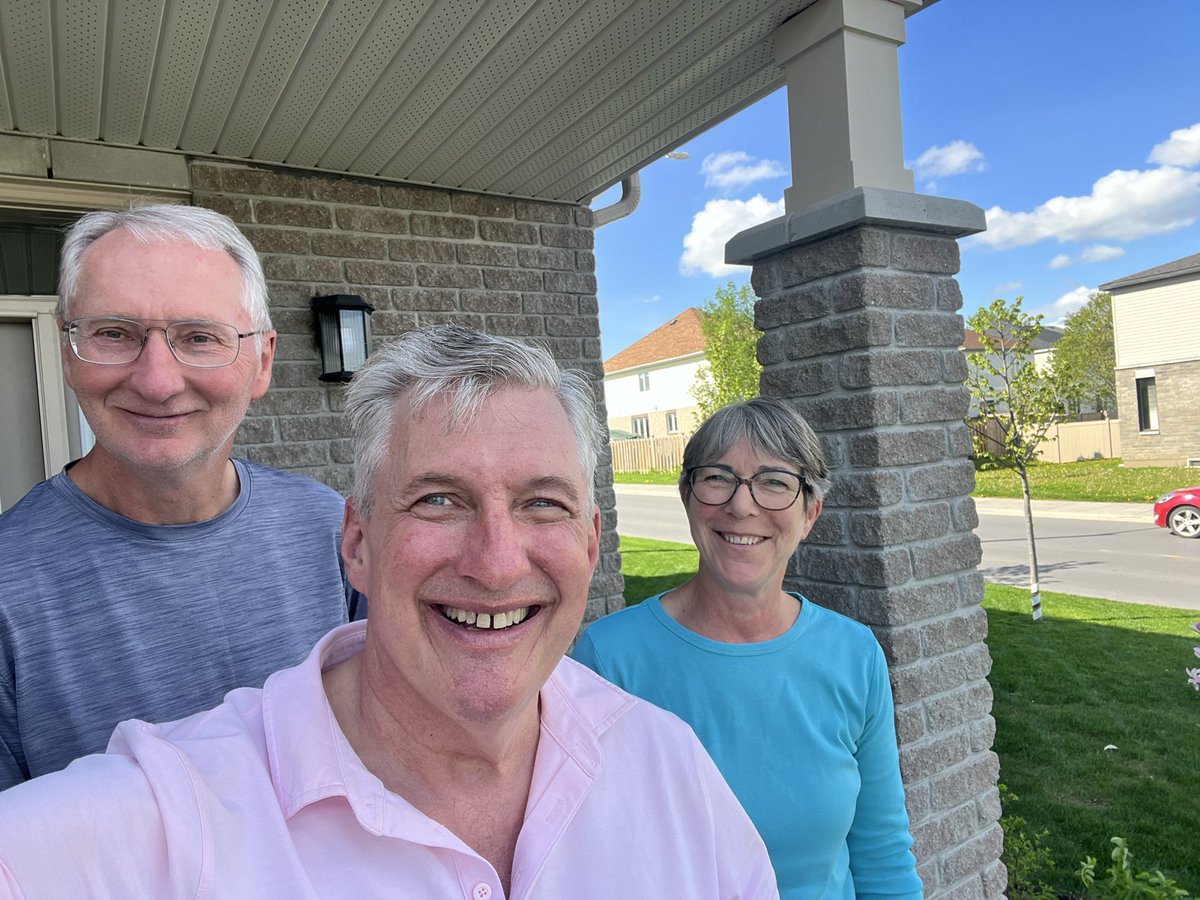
{"x": 742, "y": 538}
{"x": 486, "y": 620}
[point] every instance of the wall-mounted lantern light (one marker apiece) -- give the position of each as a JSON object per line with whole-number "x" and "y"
{"x": 344, "y": 332}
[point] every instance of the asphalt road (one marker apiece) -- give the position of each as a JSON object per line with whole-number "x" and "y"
{"x": 1118, "y": 555}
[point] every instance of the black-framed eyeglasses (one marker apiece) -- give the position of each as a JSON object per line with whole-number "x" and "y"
{"x": 772, "y": 489}
{"x": 116, "y": 341}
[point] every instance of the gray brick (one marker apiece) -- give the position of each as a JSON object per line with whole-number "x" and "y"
{"x": 302, "y": 268}
{"x": 289, "y": 402}
{"x": 257, "y": 430}
{"x": 486, "y": 255}
{"x": 889, "y": 368}
{"x": 294, "y": 321}
{"x": 294, "y": 375}
{"x": 857, "y": 290}
{"x": 567, "y": 236}
{"x": 965, "y": 783}
{"x": 953, "y": 478}
{"x": 570, "y": 282}
{"x": 295, "y": 215}
{"x": 944, "y": 831}
{"x": 897, "y": 525}
{"x": 373, "y": 220}
{"x": 386, "y": 322}
{"x": 422, "y": 251}
{"x": 841, "y": 252}
{"x": 512, "y": 279}
{"x": 415, "y": 197}
{"x": 240, "y": 209}
{"x": 572, "y": 326}
{"x": 790, "y": 307}
{"x": 968, "y": 704}
{"x": 468, "y": 320}
{"x": 910, "y": 724}
{"x": 862, "y": 410}
{"x": 908, "y": 603}
{"x": 936, "y": 329}
{"x": 897, "y": 448}
{"x": 866, "y": 488}
{"x": 277, "y": 240}
{"x": 869, "y": 328}
{"x": 507, "y": 232}
{"x": 546, "y": 258}
{"x": 954, "y": 367}
{"x": 946, "y": 556}
{"x": 491, "y": 301}
{"x": 295, "y": 429}
{"x": 925, "y": 679}
{"x": 949, "y": 294}
{"x": 342, "y": 190}
{"x": 555, "y": 304}
{"x": 289, "y": 456}
{"x": 348, "y": 245}
{"x": 925, "y": 253}
{"x": 982, "y": 734}
{"x": 205, "y": 176}
{"x": 584, "y": 217}
{"x": 938, "y": 754}
{"x": 964, "y": 515}
{"x": 436, "y": 226}
{"x": 538, "y": 211}
{"x": 488, "y": 206}
{"x": 262, "y": 182}
{"x": 870, "y": 568}
{"x": 425, "y": 299}
{"x": 514, "y": 326}
{"x": 900, "y": 645}
{"x": 798, "y": 379}
{"x": 371, "y": 272}
{"x": 449, "y": 276}
{"x": 934, "y": 404}
{"x": 995, "y": 881}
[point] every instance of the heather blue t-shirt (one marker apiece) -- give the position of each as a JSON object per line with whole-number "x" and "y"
{"x": 104, "y": 619}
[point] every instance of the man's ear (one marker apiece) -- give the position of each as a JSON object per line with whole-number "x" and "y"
{"x": 354, "y": 547}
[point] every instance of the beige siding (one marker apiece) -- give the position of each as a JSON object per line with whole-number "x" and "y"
{"x": 1157, "y": 324}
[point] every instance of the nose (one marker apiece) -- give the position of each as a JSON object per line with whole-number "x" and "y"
{"x": 157, "y": 374}
{"x": 495, "y": 552}
{"x": 742, "y": 502}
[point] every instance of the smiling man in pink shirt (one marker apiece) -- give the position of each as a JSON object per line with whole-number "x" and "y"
{"x": 443, "y": 748}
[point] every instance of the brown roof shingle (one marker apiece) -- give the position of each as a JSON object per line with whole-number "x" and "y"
{"x": 678, "y": 337}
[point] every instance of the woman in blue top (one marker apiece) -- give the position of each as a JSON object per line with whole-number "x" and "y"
{"x": 792, "y": 700}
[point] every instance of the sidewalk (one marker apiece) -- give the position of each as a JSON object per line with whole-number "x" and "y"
{"x": 992, "y": 506}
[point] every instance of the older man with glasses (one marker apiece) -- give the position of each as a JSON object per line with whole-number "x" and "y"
{"x": 156, "y": 573}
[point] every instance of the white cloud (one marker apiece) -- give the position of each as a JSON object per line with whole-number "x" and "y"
{"x": 1071, "y": 301}
{"x": 734, "y": 169}
{"x": 1101, "y": 252}
{"x": 954, "y": 158}
{"x": 1009, "y": 287}
{"x": 1122, "y": 206}
{"x": 1059, "y": 262}
{"x": 653, "y": 298}
{"x": 713, "y": 226}
{"x": 1182, "y": 148}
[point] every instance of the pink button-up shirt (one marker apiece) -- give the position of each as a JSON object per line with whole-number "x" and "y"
{"x": 263, "y": 797}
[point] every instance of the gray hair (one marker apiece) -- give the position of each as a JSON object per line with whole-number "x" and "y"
{"x": 772, "y": 428}
{"x": 464, "y": 366}
{"x": 194, "y": 225}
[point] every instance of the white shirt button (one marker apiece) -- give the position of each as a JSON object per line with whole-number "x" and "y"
{"x": 481, "y": 891}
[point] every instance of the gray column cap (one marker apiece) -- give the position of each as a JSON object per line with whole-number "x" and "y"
{"x": 859, "y": 206}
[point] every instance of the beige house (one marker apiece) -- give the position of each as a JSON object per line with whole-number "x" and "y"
{"x": 648, "y": 385}
{"x": 1156, "y": 330}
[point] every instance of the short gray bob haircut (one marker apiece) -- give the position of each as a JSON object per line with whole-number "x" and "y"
{"x": 772, "y": 428}
{"x": 194, "y": 225}
{"x": 464, "y": 366}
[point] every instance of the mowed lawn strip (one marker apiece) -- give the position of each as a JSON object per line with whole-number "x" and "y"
{"x": 1092, "y": 674}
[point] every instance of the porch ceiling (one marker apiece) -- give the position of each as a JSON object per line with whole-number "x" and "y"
{"x": 555, "y": 99}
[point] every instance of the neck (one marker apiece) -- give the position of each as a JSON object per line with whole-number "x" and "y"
{"x": 159, "y": 497}
{"x": 473, "y": 778}
{"x": 717, "y": 613}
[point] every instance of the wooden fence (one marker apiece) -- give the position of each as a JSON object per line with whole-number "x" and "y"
{"x": 645, "y": 454}
{"x": 1069, "y": 441}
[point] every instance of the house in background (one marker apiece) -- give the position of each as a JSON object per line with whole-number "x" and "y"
{"x": 1156, "y": 330}
{"x": 1043, "y": 352}
{"x": 648, "y": 385}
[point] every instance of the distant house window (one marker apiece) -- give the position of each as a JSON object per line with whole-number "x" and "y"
{"x": 641, "y": 426}
{"x": 672, "y": 423}
{"x": 643, "y": 381}
{"x": 1147, "y": 404}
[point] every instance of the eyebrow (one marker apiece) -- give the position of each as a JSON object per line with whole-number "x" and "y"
{"x": 537, "y": 483}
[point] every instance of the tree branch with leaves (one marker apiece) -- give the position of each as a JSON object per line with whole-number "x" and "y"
{"x": 731, "y": 371}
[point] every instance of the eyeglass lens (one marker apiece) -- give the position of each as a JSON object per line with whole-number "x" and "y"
{"x": 111, "y": 341}
{"x": 771, "y": 490}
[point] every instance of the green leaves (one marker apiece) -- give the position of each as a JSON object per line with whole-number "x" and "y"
{"x": 731, "y": 373}
{"x": 1082, "y": 366}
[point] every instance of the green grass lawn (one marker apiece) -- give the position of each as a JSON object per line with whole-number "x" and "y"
{"x": 1103, "y": 480}
{"x": 1092, "y": 673}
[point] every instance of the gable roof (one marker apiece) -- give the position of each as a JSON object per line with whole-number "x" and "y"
{"x": 680, "y": 336}
{"x": 1189, "y": 265}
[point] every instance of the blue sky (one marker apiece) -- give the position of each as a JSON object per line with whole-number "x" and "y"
{"x": 1075, "y": 124}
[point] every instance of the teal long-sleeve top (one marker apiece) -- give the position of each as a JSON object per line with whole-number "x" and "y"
{"x": 801, "y": 726}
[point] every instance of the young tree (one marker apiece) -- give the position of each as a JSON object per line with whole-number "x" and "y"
{"x": 1013, "y": 396}
{"x": 1082, "y": 367}
{"x": 731, "y": 344}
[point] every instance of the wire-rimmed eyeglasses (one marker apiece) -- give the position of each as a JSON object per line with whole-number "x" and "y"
{"x": 116, "y": 341}
{"x": 772, "y": 489}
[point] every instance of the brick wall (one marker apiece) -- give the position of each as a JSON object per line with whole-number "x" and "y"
{"x": 419, "y": 256}
{"x": 861, "y": 334}
{"x": 1178, "y": 387}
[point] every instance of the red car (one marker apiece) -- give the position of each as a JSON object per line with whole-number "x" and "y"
{"x": 1180, "y": 511}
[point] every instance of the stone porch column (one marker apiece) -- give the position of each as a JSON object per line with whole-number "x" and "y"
{"x": 859, "y": 312}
